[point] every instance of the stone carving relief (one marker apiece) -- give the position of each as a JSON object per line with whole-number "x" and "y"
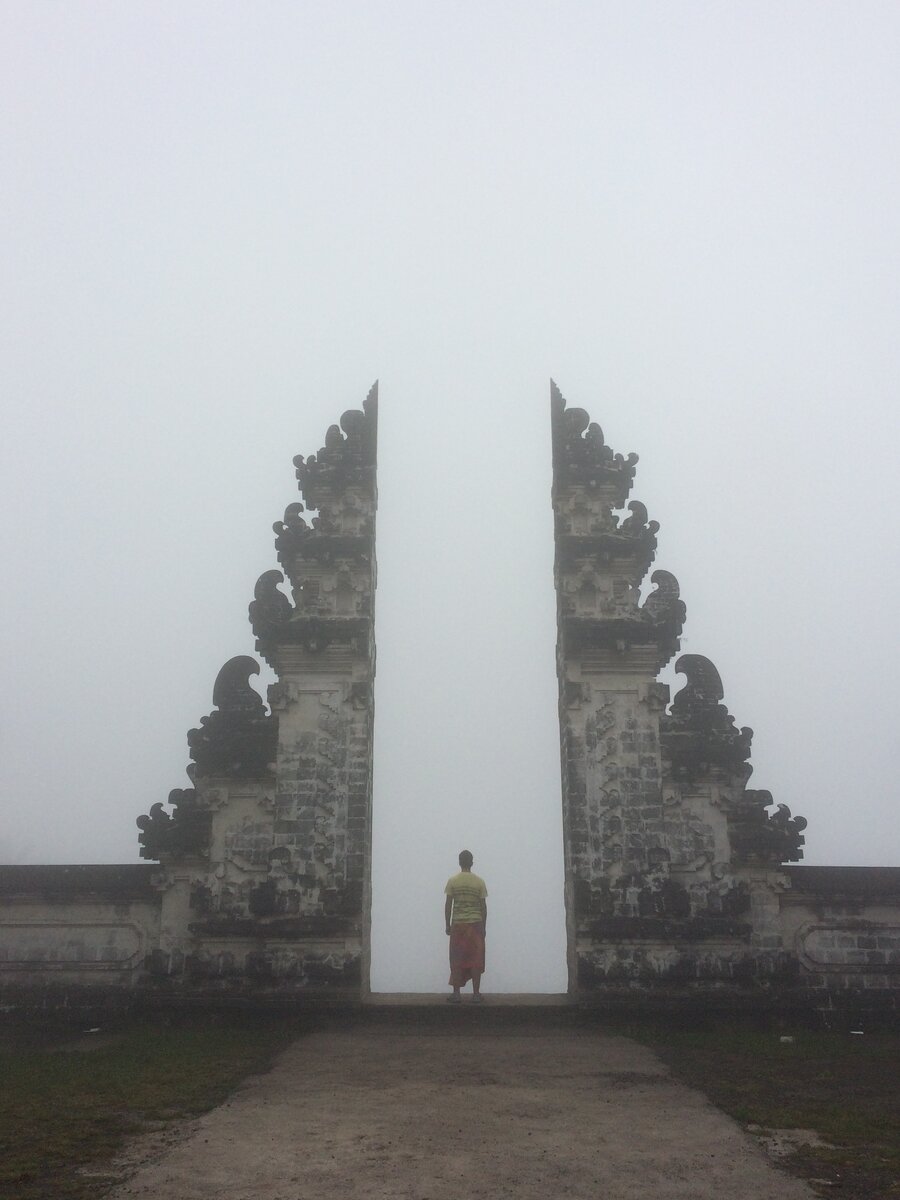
{"x": 184, "y": 833}
{"x": 580, "y": 452}
{"x": 238, "y": 738}
{"x": 85, "y": 945}
{"x": 637, "y": 525}
{"x": 663, "y": 606}
{"x": 699, "y": 734}
{"x": 850, "y": 945}
{"x": 292, "y": 532}
{"x": 583, "y": 515}
{"x": 236, "y": 741}
{"x": 335, "y": 480}
{"x": 759, "y": 836}
{"x": 269, "y": 610}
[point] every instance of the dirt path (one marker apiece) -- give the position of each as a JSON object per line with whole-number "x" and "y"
{"x": 529, "y": 1113}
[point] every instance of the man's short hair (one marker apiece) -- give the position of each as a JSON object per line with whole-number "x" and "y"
{"x": 465, "y": 858}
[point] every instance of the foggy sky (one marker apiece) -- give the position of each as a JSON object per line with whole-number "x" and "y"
{"x": 222, "y": 222}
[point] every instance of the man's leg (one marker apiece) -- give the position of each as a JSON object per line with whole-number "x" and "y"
{"x": 476, "y": 975}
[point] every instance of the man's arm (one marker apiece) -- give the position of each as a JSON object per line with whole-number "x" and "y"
{"x": 448, "y": 909}
{"x": 484, "y": 914}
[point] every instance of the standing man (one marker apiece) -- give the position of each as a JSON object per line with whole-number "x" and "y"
{"x": 465, "y": 915}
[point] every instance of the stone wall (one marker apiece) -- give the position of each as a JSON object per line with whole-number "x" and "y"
{"x": 70, "y": 931}
{"x": 842, "y": 926}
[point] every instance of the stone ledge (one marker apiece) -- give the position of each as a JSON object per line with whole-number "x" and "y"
{"x": 831, "y": 882}
{"x": 116, "y": 884}
{"x": 660, "y": 929}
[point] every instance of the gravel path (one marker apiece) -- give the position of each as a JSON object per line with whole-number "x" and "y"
{"x": 528, "y": 1112}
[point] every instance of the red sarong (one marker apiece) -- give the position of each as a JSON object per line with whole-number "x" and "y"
{"x": 466, "y": 952}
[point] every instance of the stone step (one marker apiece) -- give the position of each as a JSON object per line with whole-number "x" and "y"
{"x": 432, "y": 1009}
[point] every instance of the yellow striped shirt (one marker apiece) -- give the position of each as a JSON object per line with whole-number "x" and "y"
{"x": 467, "y": 891}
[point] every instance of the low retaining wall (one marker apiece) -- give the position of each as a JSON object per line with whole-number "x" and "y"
{"x": 75, "y": 937}
{"x": 89, "y": 938}
{"x": 842, "y": 924}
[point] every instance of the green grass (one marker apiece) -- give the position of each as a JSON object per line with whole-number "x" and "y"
{"x": 64, "y": 1108}
{"x": 844, "y": 1087}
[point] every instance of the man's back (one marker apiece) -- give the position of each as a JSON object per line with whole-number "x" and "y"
{"x": 467, "y": 890}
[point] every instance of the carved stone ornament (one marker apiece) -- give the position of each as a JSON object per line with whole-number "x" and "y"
{"x": 664, "y": 605}
{"x": 347, "y": 458}
{"x": 314, "y": 635}
{"x": 238, "y": 739}
{"x": 758, "y": 836}
{"x": 665, "y": 609}
{"x": 637, "y": 525}
{"x": 580, "y": 453}
{"x": 699, "y": 734}
{"x": 184, "y": 833}
{"x": 269, "y": 611}
{"x": 292, "y": 532}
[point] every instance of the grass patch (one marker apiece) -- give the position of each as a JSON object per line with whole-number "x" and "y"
{"x": 845, "y": 1087}
{"x": 66, "y": 1103}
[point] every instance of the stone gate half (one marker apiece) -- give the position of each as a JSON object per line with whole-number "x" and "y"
{"x": 676, "y": 875}
{"x": 265, "y": 862}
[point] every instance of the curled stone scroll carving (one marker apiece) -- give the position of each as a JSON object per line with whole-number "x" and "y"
{"x": 238, "y": 738}
{"x": 637, "y": 525}
{"x": 269, "y": 612}
{"x": 759, "y": 836}
{"x": 699, "y": 734}
{"x": 785, "y": 834}
{"x": 183, "y": 833}
{"x": 292, "y": 532}
{"x": 665, "y": 599}
{"x": 269, "y": 606}
{"x": 665, "y": 608}
{"x": 580, "y": 452}
{"x": 346, "y": 460}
